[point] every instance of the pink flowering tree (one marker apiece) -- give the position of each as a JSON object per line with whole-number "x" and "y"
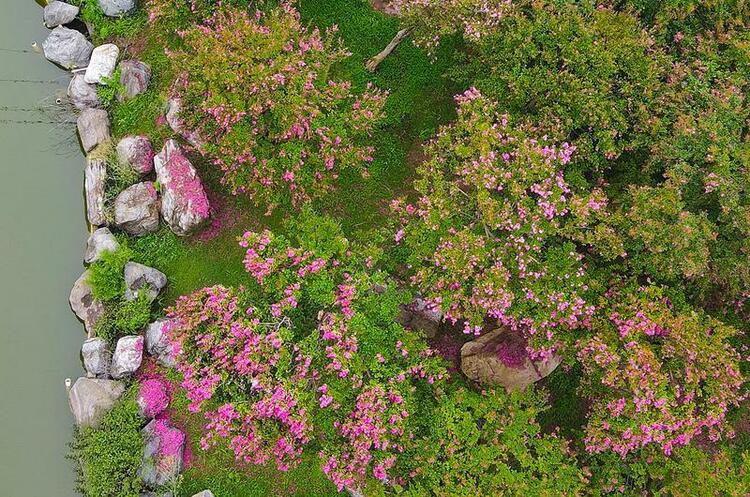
{"x": 309, "y": 351}
{"x": 427, "y": 21}
{"x": 657, "y": 375}
{"x": 488, "y": 240}
{"x": 257, "y": 89}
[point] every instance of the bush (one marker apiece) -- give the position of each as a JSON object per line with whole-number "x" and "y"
{"x": 123, "y": 317}
{"x": 107, "y": 458}
{"x": 259, "y": 90}
{"x": 107, "y": 275}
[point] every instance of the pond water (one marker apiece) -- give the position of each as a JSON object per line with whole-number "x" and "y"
{"x": 42, "y": 238}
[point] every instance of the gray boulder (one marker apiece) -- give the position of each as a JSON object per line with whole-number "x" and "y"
{"x": 82, "y": 94}
{"x": 57, "y": 13}
{"x": 157, "y": 344}
{"x": 101, "y": 240}
{"x": 83, "y": 303}
{"x": 128, "y": 356}
{"x": 102, "y": 64}
{"x": 162, "y": 456}
{"x": 91, "y": 398}
{"x": 93, "y": 128}
{"x": 499, "y": 357}
{"x": 205, "y": 493}
{"x": 137, "y": 152}
{"x": 184, "y": 203}
{"x": 420, "y": 317}
{"x": 117, "y": 8}
{"x": 95, "y": 179}
{"x": 97, "y": 358}
{"x": 174, "y": 107}
{"x": 137, "y": 209}
{"x": 67, "y": 48}
{"x": 140, "y": 278}
{"x": 134, "y": 77}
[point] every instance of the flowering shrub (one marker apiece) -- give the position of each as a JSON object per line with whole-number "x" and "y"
{"x": 430, "y": 20}
{"x": 657, "y": 375}
{"x": 316, "y": 355}
{"x": 257, "y": 87}
{"x": 153, "y": 397}
{"x": 487, "y": 237}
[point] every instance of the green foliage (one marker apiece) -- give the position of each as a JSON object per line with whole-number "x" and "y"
{"x": 107, "y": 276}
{"x": 110, "y": 89}
{"x": 106, "y": 28}
{"x": 107, "y": 458}
{"x": 490, "y": 444}
{"x": 123, "y": 317}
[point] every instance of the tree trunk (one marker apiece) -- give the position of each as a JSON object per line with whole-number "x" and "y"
{"x": 373, "y": 63}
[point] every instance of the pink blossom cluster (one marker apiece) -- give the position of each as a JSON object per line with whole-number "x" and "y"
{"x": 153, "y": 397}
{"x": 658, "y": 377}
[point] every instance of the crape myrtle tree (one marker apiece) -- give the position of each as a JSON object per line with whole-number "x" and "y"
{"x": 488, "y": 238}
{"x": 257, "y": 88}
{"x": 309, "y": 355}
{"x": 427, "y": 21}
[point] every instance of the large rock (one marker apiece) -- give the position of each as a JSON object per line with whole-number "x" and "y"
{"x": 137, "y": 152}
{"x": 162, "y": 455}
{"x": 205, "y": 493}
{"x": 134, "y": 77}
{"x": 137, "y": 209}
{"x": 140, "y": 278}
{"x": 128, "y": 356}
{"x": 95, "y": 183}
{"x": 67, "y": 47}
{"x": 174, "y": 107}
{"x": 184, "y": 203}
{"x": 420, "y": 317}
{"x": 81, "y": 94}
{"x": 91, "y": 398}
{"x": 93, "y": 128}
{"x": 58, "y": 13}
{"x": 157, "y": 343}
{"x": 500, "y": 358}
{"x": 117, "y": 8}
{"x": 83, "y": 303}
{"x": 102, "y": 64}
{"x": 97, "y": 359}
{"x": 101, "y": 240}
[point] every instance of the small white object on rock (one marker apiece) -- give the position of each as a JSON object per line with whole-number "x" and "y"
{"x": 81, "y": 94}
{"x": 95, "y": 179}
{"x": 134, "y": 77}
{"x": 117, "y": 8}
{"x": 93, "y": 128}
{"x": 157, "y": 343}
{"x": 137, "y": 209}
{"x": 91, "y": 398}
{"x": 67, "y": 48}
{"x": 84, "y": 305}
{"x": 184, "y": 203}
{"x": 128, "y": 356}
{"x": 137, "y": 152}
{"x": 102, "y": 64}
{"x": 97, "y": 358}
{"x": 140, "y": 278}
{"x": 57, "y": 13}
{"x": 101, "y": 240}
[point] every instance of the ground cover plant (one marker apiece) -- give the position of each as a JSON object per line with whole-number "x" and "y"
{"x": 574, "y": 172}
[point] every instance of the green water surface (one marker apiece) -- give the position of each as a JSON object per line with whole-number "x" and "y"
{"x": 42, "y": 237}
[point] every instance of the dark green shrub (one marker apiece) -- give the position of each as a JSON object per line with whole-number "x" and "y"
{"x": 107, "y": 277}
{"x": 107, "y": 458}
{"x": 124, "y": 317}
